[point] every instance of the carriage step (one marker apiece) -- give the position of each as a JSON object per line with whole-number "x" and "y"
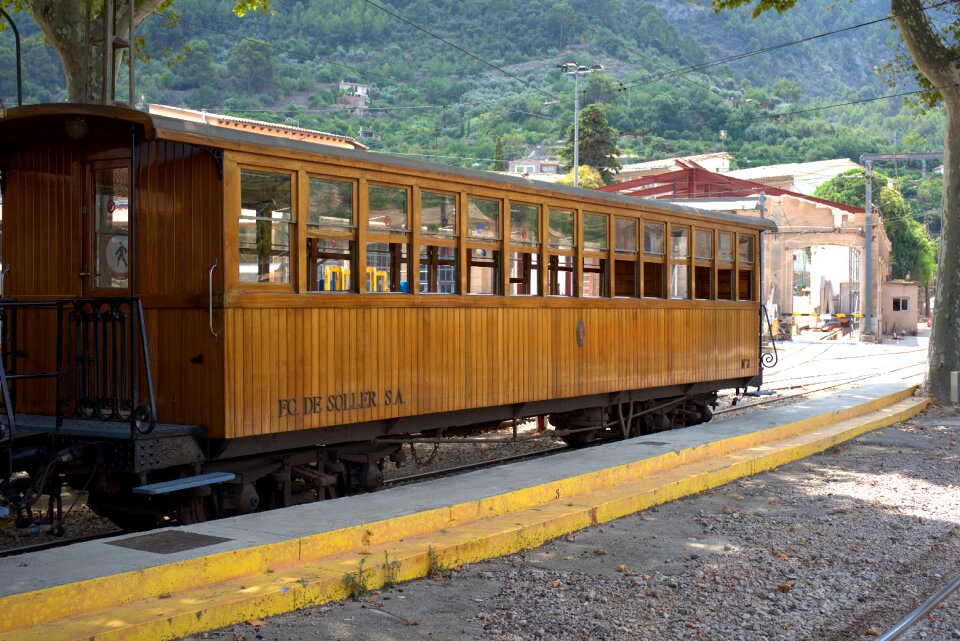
{"x": 186, "y": 483}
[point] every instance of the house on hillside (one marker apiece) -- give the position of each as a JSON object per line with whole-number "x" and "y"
{"x": 355, "y": 96}
{"x": 538, "y": 164}
{"x": 813, "y": 264}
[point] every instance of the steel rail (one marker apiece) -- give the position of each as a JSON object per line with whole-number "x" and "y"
{"x": 772, "y": 399}
{"x": 914, "y": 617}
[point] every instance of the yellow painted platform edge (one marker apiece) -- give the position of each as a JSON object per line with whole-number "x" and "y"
{"x": 292, "y": 596}
{"x": 50, "y": 604}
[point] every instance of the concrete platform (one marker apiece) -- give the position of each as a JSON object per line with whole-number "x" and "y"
{"x": 210, "y": 575}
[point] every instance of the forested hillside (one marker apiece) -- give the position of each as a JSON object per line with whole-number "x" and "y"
{"x": 429, "y": 98}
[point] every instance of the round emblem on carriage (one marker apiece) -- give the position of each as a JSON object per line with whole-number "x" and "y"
{"x": 581, "y": 333}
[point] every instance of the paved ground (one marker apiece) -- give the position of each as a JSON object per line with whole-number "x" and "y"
{"x": 838, "y": 546}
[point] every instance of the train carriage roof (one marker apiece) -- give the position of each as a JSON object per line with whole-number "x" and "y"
{"x": 22, "y": 124}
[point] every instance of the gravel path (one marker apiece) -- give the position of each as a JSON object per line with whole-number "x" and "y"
{"x": 835, "y": 547}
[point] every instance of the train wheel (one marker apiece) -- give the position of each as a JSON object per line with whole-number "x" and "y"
{"x": 192, "y": 509}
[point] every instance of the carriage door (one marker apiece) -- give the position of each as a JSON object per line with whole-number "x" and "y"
{"x": 104, "y": 336}
{"x": 107, "y": 259}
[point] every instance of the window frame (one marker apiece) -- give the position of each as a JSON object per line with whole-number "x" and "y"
{"x": 552, "y": 268}
{"x": 653, "y": 259}
{"x": 348, "y": 233}
{"x": 294, "y": 224}
{"x": 392, "y": 237}
{"x": 627, "y": 255}
{"x": 495, "y": 245}
{"x": 603, "y": 255}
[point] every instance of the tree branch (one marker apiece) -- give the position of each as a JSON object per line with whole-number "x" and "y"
{"x": 928, "y": 51}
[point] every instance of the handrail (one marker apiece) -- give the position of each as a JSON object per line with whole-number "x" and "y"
{"x": 768, "y": 359}
{"x": 215, "y": 334}
{"x": 914, "y": 617}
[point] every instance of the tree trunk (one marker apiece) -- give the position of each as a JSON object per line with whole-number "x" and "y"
{"x": 64, "y": 23}
{"x": 941, "y": 67}
{"x": 944, "y": 355}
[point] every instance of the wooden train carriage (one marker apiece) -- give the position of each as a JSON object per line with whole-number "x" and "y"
{"x": 294, "y": 294}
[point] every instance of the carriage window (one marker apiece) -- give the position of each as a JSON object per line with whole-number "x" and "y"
{"x": 330, "y": 204}
{"x": 387, "y": 267}
{"x": 388, "y": 209}
{"x": 111, "y": 244}
{"x": 625, "y": 267}
{"x": 594, "y": 277}
{"x": 329, "y": 265}
{"x": 524, "y": 224}
{"x": 438, "y": 214}
{"x": 438, "y": 269}
{"x": 653, "y": 239}
{"x": 484, "y": 218}
{"x": 265, "y": 220}
{"x": 561, "y": 275}
{"x": 654, "y": 283}
{"x": 704, "y": 244}
{"x": 331, "y": 229}
{"x": 725, "y": 271}
{"x": 524, "y": 274}
{"x": 595, "y": 232}
{"x": 745, "y": 252}
{"x": 680, "y": 265}
{"x": 745, "y": 255}
{"x": 483, "y": 244}
{"x": 703, "y": 265}
{"x": 561, "y": 229}
{"x": 561, "y": 268}
{"x": 725, "y": 247}
{"x": 595, "y": 246}
{"x": 484, "y": 271}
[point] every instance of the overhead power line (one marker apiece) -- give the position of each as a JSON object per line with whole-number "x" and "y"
{"x": 782, "y": 45}
{"x": 460, "y": 49}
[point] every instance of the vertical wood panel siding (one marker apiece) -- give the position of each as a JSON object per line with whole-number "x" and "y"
{"x": 444, "y": 359}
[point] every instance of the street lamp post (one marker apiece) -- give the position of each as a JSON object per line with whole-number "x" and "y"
{"x": 575, "y": 69}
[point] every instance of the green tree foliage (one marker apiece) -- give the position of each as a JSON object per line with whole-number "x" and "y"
{"x": 499, "y": 160}
{"x": 598, "y": 143}
{"x": 914, "y": 253}
{"x": 252, "y": 66}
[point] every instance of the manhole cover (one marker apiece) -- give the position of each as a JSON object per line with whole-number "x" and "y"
{"x": 168, "y": 542}
{"x": 651, "y": 443}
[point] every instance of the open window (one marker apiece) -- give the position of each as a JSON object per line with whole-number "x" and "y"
{"x": 561, "y": 249}
{"x": 388, "y": 239}
{"x": 626, "y": 268}
{"x": 746, "y": 252}
{"x": 595, "y": 255}
{"x": 654, "y": 283}
{"x": 438, "y": 243}
{"x": 725, "y": 266}
{"x": 703, "y": 264}
{"x": 331, "y": 235}
{"x": 524, "y": 249}
{"x": 483, "y": 246}
{"x": 265, "y": 221}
